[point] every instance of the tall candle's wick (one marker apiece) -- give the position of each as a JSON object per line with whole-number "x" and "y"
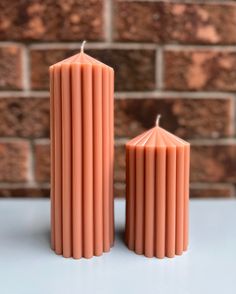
{"x": 82, "y": 46}
{"x": 158, "y": 120}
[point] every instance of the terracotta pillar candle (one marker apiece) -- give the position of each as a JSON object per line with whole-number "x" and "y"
{"x": 157, "y": 193}
{"x": 81, "y": 90}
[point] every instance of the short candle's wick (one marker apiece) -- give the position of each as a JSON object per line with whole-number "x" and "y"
{"x": 158, "y": 120}
{"x": 82, "y": 46}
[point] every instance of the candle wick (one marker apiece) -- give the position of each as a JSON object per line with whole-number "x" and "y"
{"x": 82, "y": 46}
{"x": 158, "y": 120}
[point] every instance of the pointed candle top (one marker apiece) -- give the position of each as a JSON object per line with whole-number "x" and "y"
{"x": 158, "y": 120}
{"x": 82, "y": 46}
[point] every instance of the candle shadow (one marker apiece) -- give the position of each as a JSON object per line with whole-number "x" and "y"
{"x": 120, "y": 236}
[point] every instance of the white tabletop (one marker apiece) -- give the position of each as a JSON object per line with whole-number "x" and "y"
{"x": 29, "y": 266}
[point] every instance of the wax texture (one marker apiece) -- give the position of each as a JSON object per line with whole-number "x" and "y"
{"x": 82, "y": 151}
{"x": 157, "y": 194}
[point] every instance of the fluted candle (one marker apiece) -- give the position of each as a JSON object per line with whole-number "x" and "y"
{"x": 81, "y": 103}
{"x": 157, "y": 193}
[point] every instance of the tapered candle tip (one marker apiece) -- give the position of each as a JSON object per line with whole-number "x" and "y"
{"x": 158, "y": 120}
{"x": 82, "y": 46}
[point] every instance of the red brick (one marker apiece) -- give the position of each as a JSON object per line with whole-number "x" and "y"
{"x": 14, "y": 158}
{"x": 213, "y": 163}
{"x": 24, "y": 117}
{"x": 119, "y": 190}
{"x": 212, "y": 191}
{"x": 137, "y": 64}
{"x": 138, "y": 21}
{"x": 10, "y": 67}
{"x": 200, "y": 70}
{"x": 51, "y": 20}
{"x": 42, "y": 162}
{"x": 175, "y": 22}
{"x": 119, "y": 169}
{"x": 24, "y": 191}
{"x": 187, "y": 118}
{"x": 213, "y": 23}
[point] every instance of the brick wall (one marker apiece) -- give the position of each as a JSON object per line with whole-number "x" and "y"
{"x": 173, "y": 58}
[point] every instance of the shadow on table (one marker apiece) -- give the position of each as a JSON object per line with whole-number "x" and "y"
{"x": 120, "y": 236}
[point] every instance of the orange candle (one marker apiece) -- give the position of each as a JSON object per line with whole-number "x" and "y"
{"x": 81, "y": 103}
{"x": 157, "y": 193}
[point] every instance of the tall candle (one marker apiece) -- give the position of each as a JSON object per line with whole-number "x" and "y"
{"x": 157, "y": 193}
{"x": 81, "y": 103}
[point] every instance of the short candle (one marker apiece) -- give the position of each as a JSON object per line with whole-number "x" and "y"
{"x": 157, "y": 193}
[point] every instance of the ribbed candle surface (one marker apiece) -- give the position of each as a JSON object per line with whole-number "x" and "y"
{"x": 157, "y": 194}
{"x": 81, "y": 103}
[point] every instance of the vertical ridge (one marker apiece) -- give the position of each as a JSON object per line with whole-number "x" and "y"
{"x": 98, "y": 159}
{"x": 171, "y": 194}
{"x": 127, "y": 195}
{"x": 76, "y": 160}
{"x": 179, "y": 199}
{"x": 111, "y": 124}
{"x": 52, "y": 148}
{"x": 58, "y": 159}
{"x": 88, "y": 248}
{"x": 149, "y": 200}
{"x": 186, "y": 196}
{"x": 170, "y": 197}
{"x": 139, "y": 199}
{"x": 66, "y": 159}
{"x": 160, "y": 206}
{"x": 131, "y": 197}
{"x": 106, "y": 148}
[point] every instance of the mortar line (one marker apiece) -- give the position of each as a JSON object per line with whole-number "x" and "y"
{"x": 209, "y": 184}
{"x": 6, "y": 184}
{"x": 122, "y": 45}
{"x": 131, "y": 94}
{"x": 31, "y": 162}
{"x": 174, "y": 94}
{"x": 108, "y": 20}
{"x": 92, "y": 45}
{"x": 201, "y": 47}
{"x": 25, "y": 69}
{"x": 42, "y": 141}
{"x": 212, "y": 141}
{"x": 159, "y": 68}
{"x": 24, "y": 94}
{"x": 208, "y": 2}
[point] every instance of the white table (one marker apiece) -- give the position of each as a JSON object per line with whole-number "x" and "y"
{"x": 28, "y": 266}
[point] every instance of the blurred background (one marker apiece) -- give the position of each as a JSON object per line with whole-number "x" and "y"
{"x": 173, "y": 58}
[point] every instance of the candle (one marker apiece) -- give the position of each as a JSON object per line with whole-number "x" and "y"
{"x": 157, "y": 193}
{"x": 81, "y": 104}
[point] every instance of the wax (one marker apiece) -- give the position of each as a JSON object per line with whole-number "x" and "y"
{"x": 130, "y": 205}
{"x": 139, "y": 221}
{"x": 106, "y": 146}
{"x": 57, "y": 151}
{"x": 81, "y": 107}
{"x": 186, "y": 196}
{"x": 97, "y": 125}
{"x": 66, "y": 159}
{"x": 157, "y": 194}
{"x": 149, "y": 192}
{"x": 76, "y": 71}
{"x": 160, "y": 198}
{"x": 52, "y": 160}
